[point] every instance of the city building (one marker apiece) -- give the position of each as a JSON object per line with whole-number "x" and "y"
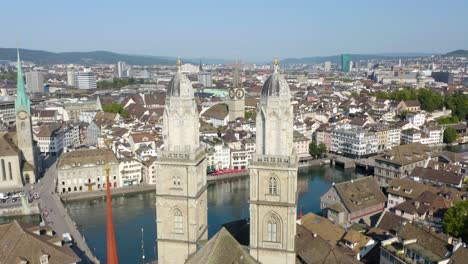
{"x": 345, "y": 62}
{"x": 148, "y": 171}
{"x": 217, "y": 115}
{"x": 86, "y": 79}
{"x": 404, "y": 189}
{"x": 354, "y": 201}
{"x": 327, "y": 66}
{"x": 236, "y": 97}
{"x": 130, "y": 172}
{"x": 7, "y": 110}
{"x": 240, "y": 159}
{"x": 355, "y": 143}
{"x": 414, "y": 244}
{"x": 301, "y": 144}
{"x": 408, "y": 106}
{"x": 273, "y": 176}
{"x": 416, "y": 119}
{"x": 35, "y": 82}
{"x": 205, "y": 78}
{"x": 121, "y": 69}
{"x": 387, "y": 136}
{"x": 181, "y": 188}
{"x": 50, "y": 139}
{"x": 399, "y": 161}
{"x": 72, "y": 78}
{"x": 84, "y": 170}
{"x": 437, "y": 177}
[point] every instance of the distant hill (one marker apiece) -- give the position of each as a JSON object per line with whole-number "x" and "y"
{"x": 458, "y": 53}
{"x": 86, "y": 58}
{"x": 354, "y": 57}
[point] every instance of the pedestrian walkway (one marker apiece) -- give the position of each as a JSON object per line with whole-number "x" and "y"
{"x": 56, "y": 216}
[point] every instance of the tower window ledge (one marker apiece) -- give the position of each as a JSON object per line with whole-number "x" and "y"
{"x": 175, "y": 189}
{"x": 270, "y": 244}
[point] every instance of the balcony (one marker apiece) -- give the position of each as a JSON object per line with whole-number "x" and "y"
{"x": 181, "y": 155}
{"x": 275, "y": 161}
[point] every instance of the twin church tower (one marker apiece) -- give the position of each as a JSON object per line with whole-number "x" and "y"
{"x": 181, "y": 187}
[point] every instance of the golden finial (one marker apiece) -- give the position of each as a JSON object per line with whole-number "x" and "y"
{"x": 179, "y": 62}
{"x": 107, "y": 143}
{"x": 276, "y": 64}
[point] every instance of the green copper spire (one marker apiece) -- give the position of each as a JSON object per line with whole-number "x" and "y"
{"x": 22, "y": 101}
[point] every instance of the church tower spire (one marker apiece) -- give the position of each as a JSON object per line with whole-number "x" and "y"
{"x": 181, "y": 189}
{"x": 22, "y": 101}
{"x": 273, "y": 176}
{"x": 24, "y": 125}
{"x": 236, "y": 95}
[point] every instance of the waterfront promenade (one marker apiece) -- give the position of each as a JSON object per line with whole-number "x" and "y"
{"x": 55, "y": 215}
{"x": 122, "y": 191}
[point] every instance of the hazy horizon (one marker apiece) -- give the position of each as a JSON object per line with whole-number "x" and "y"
{"x": 248, "y": 30}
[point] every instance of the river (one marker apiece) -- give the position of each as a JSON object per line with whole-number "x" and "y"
{"x": 226, "y": 202}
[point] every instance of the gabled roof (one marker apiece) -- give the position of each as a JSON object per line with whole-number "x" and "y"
{"x": 313, "y": 249}
{"x": 142, "y": 137}
{"x": 19, "y": 243}
{"x": 219, "y": 111}
{"x": 7, "y": 145}
{"x": 329, "y": 231}
{"x": 408, "y": 188}
{"x": 221, "y": 248}
{"x": 426, "y": 241}
{"x": 360, "y": 193}
{"x": 424, "y": 202}
{"x": 412, "y": 103}
{"x": 389, "y": 221}
{"x": 405, "y": 154}
{"x": 436, "y": 175}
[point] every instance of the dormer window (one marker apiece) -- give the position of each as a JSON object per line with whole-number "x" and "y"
{"x": 408, "y": 190}
{"x": 44, "y": 259}
{"x": 396, "y": 188}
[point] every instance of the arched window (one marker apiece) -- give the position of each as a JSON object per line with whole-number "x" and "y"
{"x": 272, "y": 227}
{"x": 178, "y": 221}
{"x": 272, "y": 231}
{"x": 272, "y": 185}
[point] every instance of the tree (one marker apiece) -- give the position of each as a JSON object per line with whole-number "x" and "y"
{"x": 116, "y": 108}
{"x": 322, "y": 148}
{"x": 317, "y": 150}
{"x": 450, "y": 135}
{"x": 456, "y": 220}
{"x": 430, "y": 100}
{"x": 313, "y": 149}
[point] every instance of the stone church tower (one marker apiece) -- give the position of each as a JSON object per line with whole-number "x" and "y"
{"x": 236, "y": 96}
{"x": 24, "y": 127}
{"x": 181, "y": 189}
{"x": 273, "y": 176}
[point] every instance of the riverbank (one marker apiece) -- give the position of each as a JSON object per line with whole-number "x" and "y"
{"x": 20, "y": 210}
{"x": 102, "y": 194}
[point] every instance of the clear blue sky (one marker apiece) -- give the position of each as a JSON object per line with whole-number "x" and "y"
{"x": 251, "y": 30}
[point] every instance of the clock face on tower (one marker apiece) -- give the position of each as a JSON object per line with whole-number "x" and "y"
{"x": 232, "y": 93}
{"x": 22, "y": 115}
{"x": 239, "y": 93}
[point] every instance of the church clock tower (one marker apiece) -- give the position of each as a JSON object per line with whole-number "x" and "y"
{"x": 236, "y": 96}
{"x": 181, "y": 190}
{"x": 273, "y": 176}
{"x": 23, "y": 123}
